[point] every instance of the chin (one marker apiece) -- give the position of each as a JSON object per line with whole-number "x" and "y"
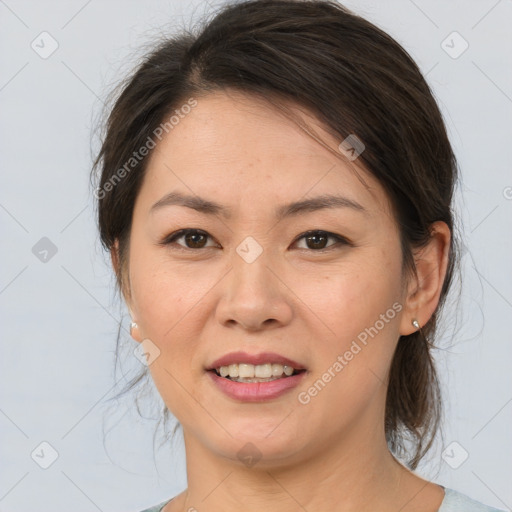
{"x": 264, "y": 443}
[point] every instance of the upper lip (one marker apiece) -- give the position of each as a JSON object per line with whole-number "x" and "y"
{"x": 255, "y": 359}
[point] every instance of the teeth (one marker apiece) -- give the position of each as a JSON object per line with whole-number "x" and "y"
{"x": 233, "y": 370}
{"x": 263, "y": 371}
{"x": 277, "y": 370}
{"x": 251, "y": 371}
{"x": 246, "y": 371}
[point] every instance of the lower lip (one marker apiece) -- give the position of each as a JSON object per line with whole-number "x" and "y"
{"x": 256, "y": 391}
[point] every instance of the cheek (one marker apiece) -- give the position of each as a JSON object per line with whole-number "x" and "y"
{"x": 362, "y": 312}
{"x": 351, "y": 298}
{"x": 359, "y": 309}
{"x": 169, "y": 304}
{"x": 168, "y": 299}
{"x": 167, "y": 293}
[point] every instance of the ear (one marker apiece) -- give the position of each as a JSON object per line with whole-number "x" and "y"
{"x": 423, "y": 291}
{"x": 114, "y": 255}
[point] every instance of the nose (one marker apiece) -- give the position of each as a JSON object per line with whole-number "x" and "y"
{"x": 254, "y": 296}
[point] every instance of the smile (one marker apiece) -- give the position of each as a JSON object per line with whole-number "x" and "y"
{"x": 244, "y": 372}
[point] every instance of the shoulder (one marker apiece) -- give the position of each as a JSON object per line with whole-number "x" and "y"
{"x": 455, "y": 501}
{"x": 157, "y": 508}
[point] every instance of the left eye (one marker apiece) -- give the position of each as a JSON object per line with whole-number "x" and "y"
{"x": 196, "y": 239}
{"x": 319, "y": 238}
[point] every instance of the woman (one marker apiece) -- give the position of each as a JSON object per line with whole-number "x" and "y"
{"x": 276, "y": 195}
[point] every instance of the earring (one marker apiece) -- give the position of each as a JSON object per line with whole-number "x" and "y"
{"x": 415, "y": 323}
{"x": 133, "y": 325}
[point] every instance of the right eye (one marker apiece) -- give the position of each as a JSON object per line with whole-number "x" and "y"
{"x": 194, "y": 239}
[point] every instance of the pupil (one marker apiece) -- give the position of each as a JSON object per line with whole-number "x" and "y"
{"x": 190, "y": 236}
{"x": 311, "y": 237}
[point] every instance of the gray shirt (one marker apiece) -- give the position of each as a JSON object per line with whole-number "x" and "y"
{"x": 453, "y": 501}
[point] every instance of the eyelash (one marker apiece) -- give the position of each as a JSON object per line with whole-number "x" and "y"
{"x": 170, "y": 239}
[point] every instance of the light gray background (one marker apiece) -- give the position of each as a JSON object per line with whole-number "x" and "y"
{"x": 60, "y": 317}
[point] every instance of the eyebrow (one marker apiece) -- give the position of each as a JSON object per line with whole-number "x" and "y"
{"x": 208, "y": 207}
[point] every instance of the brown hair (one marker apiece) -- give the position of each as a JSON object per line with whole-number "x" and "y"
{"x": 356, "y": 79}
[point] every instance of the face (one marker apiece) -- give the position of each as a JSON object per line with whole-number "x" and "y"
{"x": 321, "y": 286}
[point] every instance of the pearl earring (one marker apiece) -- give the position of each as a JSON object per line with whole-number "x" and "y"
{"x": 416, "y": 324}
{"x": 133, "y": 325}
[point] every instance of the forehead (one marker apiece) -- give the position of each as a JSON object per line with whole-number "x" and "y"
{"x": 243, "y": 151}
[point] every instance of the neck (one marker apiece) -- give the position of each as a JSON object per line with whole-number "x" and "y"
{"x": 352, "y": 473}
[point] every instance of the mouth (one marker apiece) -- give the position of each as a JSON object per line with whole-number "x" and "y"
{"x": 255, "y": 377}
{"x": 256, "y": 389}
{"x": 250, "y": 373}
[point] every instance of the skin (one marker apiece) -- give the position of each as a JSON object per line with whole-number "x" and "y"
{"x": 198, "y": 304}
